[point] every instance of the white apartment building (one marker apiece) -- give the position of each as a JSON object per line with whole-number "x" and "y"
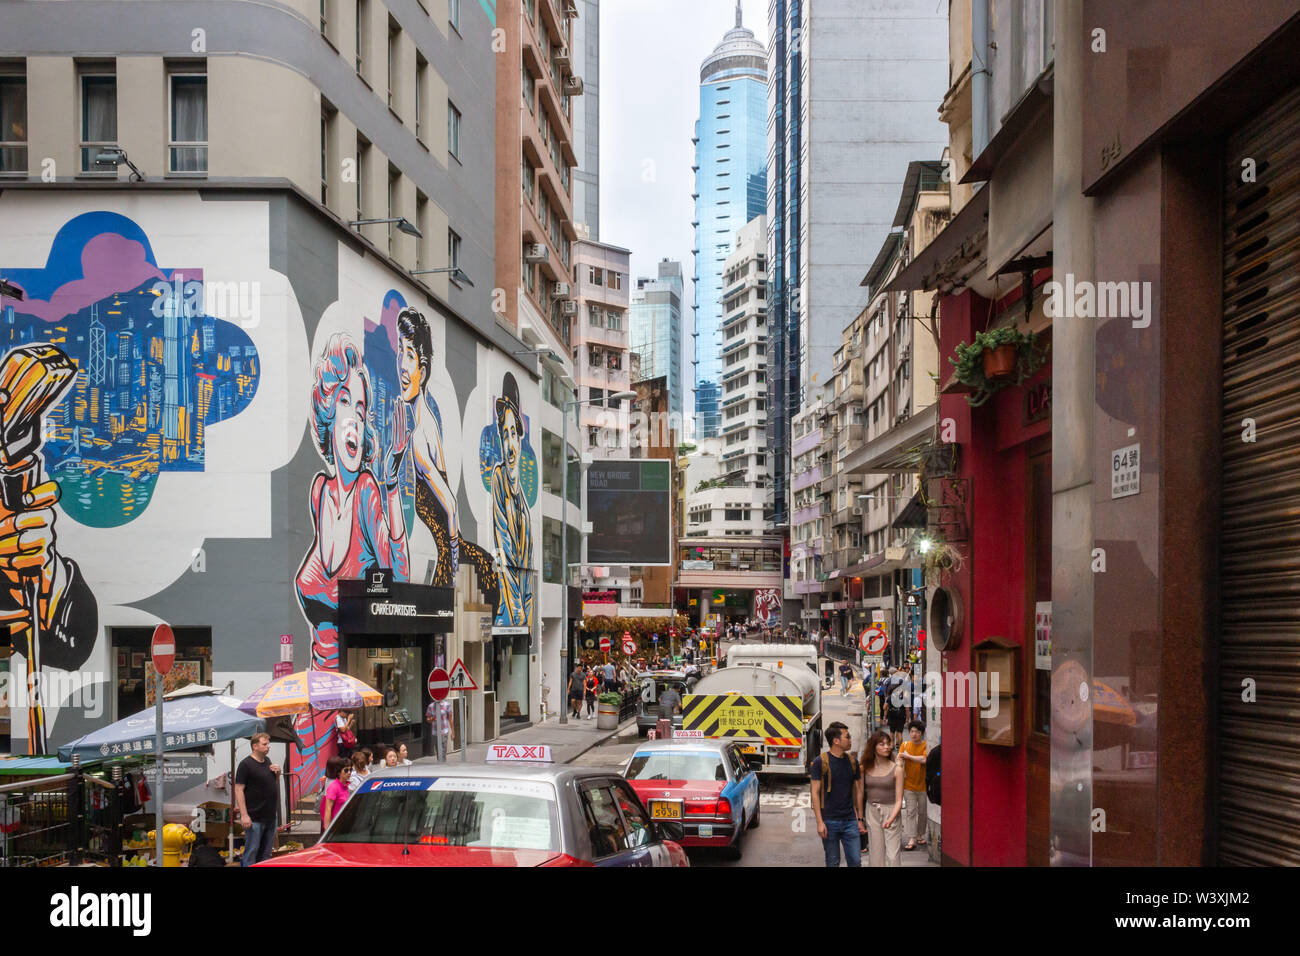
{"x": 744, "y": 361}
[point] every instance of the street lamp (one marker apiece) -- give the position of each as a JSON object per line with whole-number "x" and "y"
{"x": 564, "y": 529}
{"x": 116, "y": 156}
{"x": 457, "y": 273}
{"x": 403, "y": 225}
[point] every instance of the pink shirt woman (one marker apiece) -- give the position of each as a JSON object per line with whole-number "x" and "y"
{"x": 336, "y": 794}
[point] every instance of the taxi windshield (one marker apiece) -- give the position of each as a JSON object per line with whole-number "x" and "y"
{"x": 676, "y": 766}
{"x": 465, "y": 812}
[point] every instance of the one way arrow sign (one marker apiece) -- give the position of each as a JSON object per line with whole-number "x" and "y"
{"x": 460, "y": 679}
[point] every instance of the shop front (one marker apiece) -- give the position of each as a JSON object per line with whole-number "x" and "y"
{"x": 391, "y": 635}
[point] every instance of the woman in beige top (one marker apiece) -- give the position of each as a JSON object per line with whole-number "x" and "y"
{"x": 882, "y": 788}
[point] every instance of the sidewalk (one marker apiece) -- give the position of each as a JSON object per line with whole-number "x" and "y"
{"x": 567, "y": 741}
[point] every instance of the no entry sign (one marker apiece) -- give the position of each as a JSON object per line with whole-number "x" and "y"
{"x": 604, "y": 642}
{"x": 439, "y": 683}
{"x": 163, "y": 649}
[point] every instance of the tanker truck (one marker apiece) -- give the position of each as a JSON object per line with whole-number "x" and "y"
{"x": 768, "y": 700}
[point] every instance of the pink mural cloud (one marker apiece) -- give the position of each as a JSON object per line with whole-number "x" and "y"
{"x": 109, "y": 264}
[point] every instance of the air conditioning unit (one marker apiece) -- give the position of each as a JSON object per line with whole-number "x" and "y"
{"x": 536, "y": 253}
{"x": 569, "y": 307}
{"x": 858, "y": 511}
{"x": 562, "y": 58}
{"x": 560, "y": 290}
{"x": 572, "y": 86}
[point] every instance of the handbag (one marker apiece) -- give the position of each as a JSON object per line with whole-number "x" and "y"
{"x": 348, "y": 738}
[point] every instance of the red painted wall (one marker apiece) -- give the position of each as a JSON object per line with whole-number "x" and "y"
{"x": 984, "y": 786}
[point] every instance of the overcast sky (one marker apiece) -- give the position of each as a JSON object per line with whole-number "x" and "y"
{"x": 650, "y": 56}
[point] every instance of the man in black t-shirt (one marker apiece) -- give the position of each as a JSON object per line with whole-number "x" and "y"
{"x": 837, "y": 798}
{"x": 255, "y": 795}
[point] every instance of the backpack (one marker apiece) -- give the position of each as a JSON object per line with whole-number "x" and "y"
{"x": 934, "y": 775}
{"x": 826, "y": 771}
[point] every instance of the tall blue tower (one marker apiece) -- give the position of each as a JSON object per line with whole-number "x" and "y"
{"x": 730, "y": 190}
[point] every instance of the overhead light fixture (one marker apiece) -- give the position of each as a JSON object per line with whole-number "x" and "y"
{"x": 403, "y": 225}
{"x": 456, "y": 273}
{"x": 924, "y": 545}
{"x": 116, "y": 156}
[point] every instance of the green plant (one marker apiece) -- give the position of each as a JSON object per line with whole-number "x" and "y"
{"x": 940, "y": 559}
{"x": 968, "y": 361}
{"x": 608, "y": 698}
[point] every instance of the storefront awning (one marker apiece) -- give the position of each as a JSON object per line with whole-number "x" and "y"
{"x": 914, "y": 515}
{"x": 897, "y": 450}
{"x": 954, "y": 258}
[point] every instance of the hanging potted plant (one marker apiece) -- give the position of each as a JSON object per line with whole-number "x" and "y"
{"x": 939, "y": 559}
{"x": 995, "y": 359}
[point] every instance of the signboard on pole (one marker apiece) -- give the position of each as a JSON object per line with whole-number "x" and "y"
{"x": 163, "y": 649}
{"x": 605, "y": 643}
{"x": 459, "y": 677}
{"x": 629, "y": 646}
{"x": 439, "y": 683}
{"x": 873, "y": 640}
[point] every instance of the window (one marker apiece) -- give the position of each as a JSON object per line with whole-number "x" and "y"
{"x": 453, "y": 130}
{"x": 394, "y": 203}
{"x": 13, "y": 124}
{"x": 188, "y": 149}
{"x": 530, "y": 178}
{"x": 421, "y": 223}
{"x": 613, "y": 321}
{"x": 453, "y": 250}
{"x": 530, "y": 96}
{"x": 616, "y": 280}
{"x": 363, "y": 174}
{"x": 453, "y": 14}
{"x": 595, "y": 276}
{"x": 421, "y": 77}
{"x": 593, "y": 436}
{"x": 605, "y": 827}
{"x": 394, "y": 52}
{"x": 595, "y": 317}
{"x": 98, "y": 119}
{"x": 324, "y": 18}
{"x": 327, "y": 115}
{"x": 363, "y": 35}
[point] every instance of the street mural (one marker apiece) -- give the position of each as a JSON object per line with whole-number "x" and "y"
{"x": 379, "y": 432}
{"x": 153, "y": 371}
{"x": 509, "y": 469}
{"x": 767, "y": 605}
{"x": 111, "y": 373}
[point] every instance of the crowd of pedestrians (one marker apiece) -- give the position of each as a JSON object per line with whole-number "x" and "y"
{"x": 869, "y": 800}
{"x": 345, "y": 774}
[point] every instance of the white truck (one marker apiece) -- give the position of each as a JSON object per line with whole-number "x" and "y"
{"x": 768, "y": 699}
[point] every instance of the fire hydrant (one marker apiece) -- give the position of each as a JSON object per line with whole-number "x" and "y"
{"x": 176, "y": 836}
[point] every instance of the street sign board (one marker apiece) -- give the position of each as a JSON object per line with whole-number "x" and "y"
{"x": 286, "y": 647}
{"x": 439, "y": 683}
{"x": 605, "y": 642}
{"x": 281, "y": 669}
{"x": 163, "y": 648}
{"x": 873, "y": 640}
{"x": 459, "y": 677}
{"x": 629, "y": 646}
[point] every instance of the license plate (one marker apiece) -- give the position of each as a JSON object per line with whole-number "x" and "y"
{"x": 665, "y": 809}
{"x": 706, "y": 830}
{"x": 748, "y": 750}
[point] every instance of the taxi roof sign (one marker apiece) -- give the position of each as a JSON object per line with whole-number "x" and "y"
{"x": 519, "y": 753}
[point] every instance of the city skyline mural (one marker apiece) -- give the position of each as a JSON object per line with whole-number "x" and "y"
{"x": 153, "y": 369}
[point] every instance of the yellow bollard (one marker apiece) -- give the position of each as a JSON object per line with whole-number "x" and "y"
{"x": 175, "y": 837}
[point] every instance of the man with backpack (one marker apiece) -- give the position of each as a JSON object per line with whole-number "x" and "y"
{"x": 837, "y": 798}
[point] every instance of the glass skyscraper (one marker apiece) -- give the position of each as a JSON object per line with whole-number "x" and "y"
{"x": 730, "y": 190}
{"x": 656, "y": 329}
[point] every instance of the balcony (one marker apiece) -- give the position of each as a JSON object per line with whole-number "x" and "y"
{"x": 806, "y": 479}
{"x": 845, "y": 516}
{"x": 806, "y": 443}
{"x": 851, "y": 394}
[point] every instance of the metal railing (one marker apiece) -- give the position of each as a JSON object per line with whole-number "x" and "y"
{"x": 65, "y": 820}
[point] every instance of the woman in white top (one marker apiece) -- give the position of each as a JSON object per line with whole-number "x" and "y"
{"x": 402, "y": 758}
{"x": 360, "y": 771}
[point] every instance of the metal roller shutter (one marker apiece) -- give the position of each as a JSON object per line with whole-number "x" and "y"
{"x": 1259, "y": 742}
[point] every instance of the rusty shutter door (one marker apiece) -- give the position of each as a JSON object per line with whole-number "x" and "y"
{"x": 1259, "y": 645}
